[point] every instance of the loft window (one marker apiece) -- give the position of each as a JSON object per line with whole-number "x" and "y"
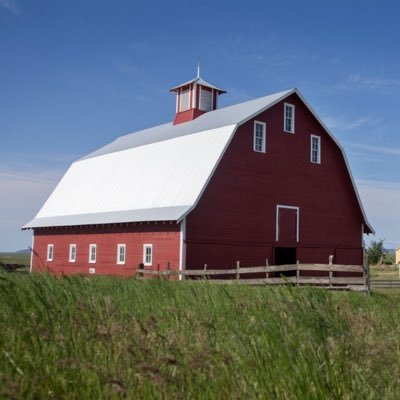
{"x": 205, "y": 100}
{"x": 121, "y": 254}
{"x": 184, "y": 99}
{"x": 259, "y": 136}
{"x": 315, "y": 149}
{"x": 147, "y": 254}
{"x": 92, "y": 253}
{"x": 72, "y": 252}
{"x": 289, "y": 118}
{"x": 50, "y": 252}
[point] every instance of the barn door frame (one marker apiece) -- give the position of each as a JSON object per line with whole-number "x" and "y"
{"x": 278, "y": 207}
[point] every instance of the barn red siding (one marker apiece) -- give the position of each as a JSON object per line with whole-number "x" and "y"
{"x": 165, "y": 239}
{"x": 235, "y": 218}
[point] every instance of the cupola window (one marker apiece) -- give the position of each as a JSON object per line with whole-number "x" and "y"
{"x": 205, "y": 100}
{"x": 184, "y": 100}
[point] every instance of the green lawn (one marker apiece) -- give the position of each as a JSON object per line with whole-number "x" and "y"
{"x": 109, "y": 337}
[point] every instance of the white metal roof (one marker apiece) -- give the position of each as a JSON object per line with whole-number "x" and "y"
{"x": 199, "y": 81}
{"x": 153, "y": 182}
{"x": 156, "y": 174}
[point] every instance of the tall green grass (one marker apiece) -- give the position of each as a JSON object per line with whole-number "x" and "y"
{"x": 107, "y": 337}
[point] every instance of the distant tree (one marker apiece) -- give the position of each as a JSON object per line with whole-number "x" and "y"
{"x": 389, "y": 258}
{"x": 375, "y": 251}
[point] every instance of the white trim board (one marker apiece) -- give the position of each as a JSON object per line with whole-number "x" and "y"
{"x": 182, "y": 247}
{"x": 278, "y": 207}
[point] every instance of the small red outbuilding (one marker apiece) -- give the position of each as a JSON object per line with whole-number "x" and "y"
{"x": 263, "y": 179}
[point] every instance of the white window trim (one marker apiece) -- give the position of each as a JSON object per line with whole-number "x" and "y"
{"x": 199, "y": 96}
{"x": 293, "y": 117}
{"x": 182, "y": 247}
{"x": 70, "y": 259}
{"x": 319, "y": 149}
{"x": 146, "y": 246}
{"x": 119, "y": 247}
{"x": 50, "y": 246}
{"x": 264, "y": 136}
{"x": 90, "y": 253}
{"x": 194, "y": 95}
{"x": 278, "y": 207}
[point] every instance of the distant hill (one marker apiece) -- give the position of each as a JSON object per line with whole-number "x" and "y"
{"x": 25, "y": 251}
{"x": 21, "y": 257}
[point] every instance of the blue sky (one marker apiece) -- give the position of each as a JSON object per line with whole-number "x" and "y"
{"x": 74, "y": 75}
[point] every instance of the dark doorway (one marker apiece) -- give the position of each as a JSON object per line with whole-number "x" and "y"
{"x": 285, "y": 255}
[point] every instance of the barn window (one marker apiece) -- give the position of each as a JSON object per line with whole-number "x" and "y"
{"x": 92, "y": 253}
{"x": 289, "y": 118}
{"x": 184, "y": 100}
{"x": 121, "y": 254}
{"x": 259, "y": 136}
{"x": 72, "y": 252}
{"x": 205, "y": 100}
{"x": 147, "y": 254}
{"x": 50, "y": 252}
{"x": 315, "y": 149}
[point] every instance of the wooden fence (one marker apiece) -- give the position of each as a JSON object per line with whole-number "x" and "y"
{"x": 385, "y": 284}
{"x": 321, "y": 275}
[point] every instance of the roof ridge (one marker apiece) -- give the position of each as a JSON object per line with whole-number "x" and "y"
{"x": 229, "y": 115}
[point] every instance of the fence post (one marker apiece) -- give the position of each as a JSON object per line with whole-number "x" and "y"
{"x": 330, "y": 270}
{"x": 168, "y": 269}
{"x": 297, "y": 273}
{"x": 237, "y": 269}
{"x": 141, "y": 267}
{"x": 366, "y": 273}
{"x": 182, "y": 275}
{"x": 205, "y": 270}
{"x": 158, "y": 270}
{"x": 267, "y": 265}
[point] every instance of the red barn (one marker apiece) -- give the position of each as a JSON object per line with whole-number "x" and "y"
{"x": 263, "y": 179}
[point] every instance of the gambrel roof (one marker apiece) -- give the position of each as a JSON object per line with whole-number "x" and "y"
{"x": 156, "y": 174}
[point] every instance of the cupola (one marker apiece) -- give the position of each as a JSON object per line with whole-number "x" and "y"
{"x": 194, "y": 98}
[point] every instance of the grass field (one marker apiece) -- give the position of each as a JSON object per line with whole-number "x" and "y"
{"x": 15, "y": 258}
{"x": 389, "y": 272}
{"x": 107, "y": 337}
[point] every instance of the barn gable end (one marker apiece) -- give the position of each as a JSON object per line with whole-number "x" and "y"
{"x": 250, "y": 192}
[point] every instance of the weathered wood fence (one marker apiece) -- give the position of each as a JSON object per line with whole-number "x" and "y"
{"x": 321, "y": 275}
{"x": 385, "y": 284}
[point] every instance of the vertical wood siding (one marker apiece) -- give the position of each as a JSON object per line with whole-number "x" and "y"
{"x": 235, "y": 218}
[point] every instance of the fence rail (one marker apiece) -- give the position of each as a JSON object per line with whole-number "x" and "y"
{"x": 322, "y": 275}
{"x": 385, "y": 284}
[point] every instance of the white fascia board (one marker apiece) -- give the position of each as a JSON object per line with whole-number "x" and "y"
{"x": 126, "y": 216}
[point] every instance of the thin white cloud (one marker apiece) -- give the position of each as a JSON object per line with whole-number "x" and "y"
{"x": 345, "y": 124}
{"x": 394, "y": 151}
{"x": 10, "y": 6}
{"x": 381, "y": 200}
{"x": 373, "y": 83}
{"x": 358, "y": 82}
{"x": 366, "y": 157}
